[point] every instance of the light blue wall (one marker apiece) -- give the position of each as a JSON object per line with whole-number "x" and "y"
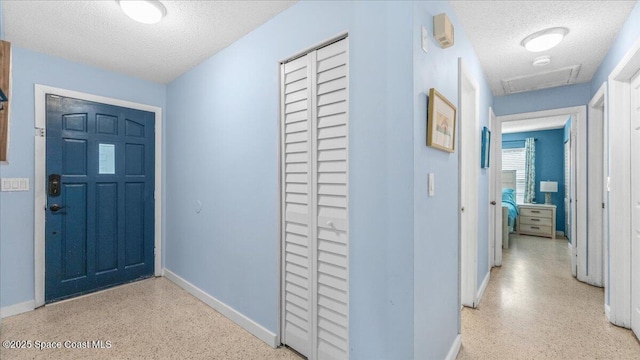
{"x": 547, "y": 99}
{"x": 436, "y": 243}
{"x": 16, "y": 208}
{"x": 628, "y": 35}
{"x": 549, "y": 164}
{"x": 222, "y": 146}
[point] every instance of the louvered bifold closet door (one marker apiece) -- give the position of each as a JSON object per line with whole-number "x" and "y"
{"x": 297, "y": 219}
{"x": 315, "y": 201}
{"x": 331, "y": 300}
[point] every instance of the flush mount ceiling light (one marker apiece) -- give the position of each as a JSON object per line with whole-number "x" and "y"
{"x": 545, "y": 39}
{"x": 144, "y": 11}
{"x": 542, "y": 60}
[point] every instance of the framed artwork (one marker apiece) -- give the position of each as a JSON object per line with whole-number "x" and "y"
{"x": 486, "y": 147}
{"x": 441, "y": 122}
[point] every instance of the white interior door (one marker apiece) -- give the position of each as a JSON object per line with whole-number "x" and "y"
{"x": 296, "y": 204}
{"x": 330, "y": 127}
{"x": 469, "y": 165}
{"x": 567, "y": 188}
{"x": 572, "y": 199}
{"x": 495, "y": 183}
{"x": 635, "y": 204}
{"x": 594, "y": 253}
{"x": 314, "y": 127}
{"x": 605, "y": 208}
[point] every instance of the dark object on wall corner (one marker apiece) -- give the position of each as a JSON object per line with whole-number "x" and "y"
{"x": 5, "y": 92}
{"x": 3, "y": 99}
{"x": 486, "y": 148}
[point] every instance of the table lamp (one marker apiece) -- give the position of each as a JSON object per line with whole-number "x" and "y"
{"x": 548, "y": 187}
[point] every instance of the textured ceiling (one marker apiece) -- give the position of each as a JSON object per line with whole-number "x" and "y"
{"x": 100, "y": 34}
{"x": 496, "y": 29}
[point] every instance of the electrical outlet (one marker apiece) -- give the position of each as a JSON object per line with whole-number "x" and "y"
{"x": 6, "y": 184}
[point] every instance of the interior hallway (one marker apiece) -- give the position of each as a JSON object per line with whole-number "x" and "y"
{"x": 534, "y": 309}
{"x": 149, "y": 319}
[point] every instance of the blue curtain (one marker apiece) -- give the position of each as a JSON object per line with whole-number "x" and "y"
{"x": 530, "y": 170}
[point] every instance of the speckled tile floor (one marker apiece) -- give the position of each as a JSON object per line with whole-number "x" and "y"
{"x": 534, "y": 309}
{"x": 150, "y": 319}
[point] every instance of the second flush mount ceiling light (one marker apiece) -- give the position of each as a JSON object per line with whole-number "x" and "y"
{"x": 545, "y": 39}
{"x": 144, "y": 11}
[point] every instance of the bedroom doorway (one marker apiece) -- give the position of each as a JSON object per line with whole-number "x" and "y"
{"x": 529, "y": 123}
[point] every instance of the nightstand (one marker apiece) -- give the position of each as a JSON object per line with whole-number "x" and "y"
{"x": 537, "y": 220}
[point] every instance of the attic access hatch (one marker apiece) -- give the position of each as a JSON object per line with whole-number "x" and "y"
{"x": 549, "y": 79}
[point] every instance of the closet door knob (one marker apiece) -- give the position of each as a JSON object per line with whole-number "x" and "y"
{"x": 493, "y": 203}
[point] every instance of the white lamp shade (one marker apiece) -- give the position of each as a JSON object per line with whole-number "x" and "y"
{"x": 548, "y": 186}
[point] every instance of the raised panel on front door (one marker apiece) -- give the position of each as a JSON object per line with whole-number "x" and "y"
{"x": 106, "y": 227}
{"x": 74, "y": 157}
{"x": 134, "y": 159}
{"x": 134, "y": 223}
{"x": 106, "y": 124}
{"x": 74, "y": 231}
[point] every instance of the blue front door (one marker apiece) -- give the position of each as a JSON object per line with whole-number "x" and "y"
{"x": 100, "y": 196}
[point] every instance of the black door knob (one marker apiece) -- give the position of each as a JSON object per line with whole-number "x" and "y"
{"x": 56, "y": 207}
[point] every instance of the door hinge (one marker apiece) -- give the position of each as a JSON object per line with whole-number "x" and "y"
{"x": 603, "y": 205}
{"x": 40, "y": 132}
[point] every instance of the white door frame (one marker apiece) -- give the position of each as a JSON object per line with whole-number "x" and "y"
{"x": 579, "y": 121}
{"x": 469, "y": 245}
{"x": 573, "y": 196}
{"x": 495, "y": 191}
{"x": 595, "y": 168}
{"x": 40, "y": 173}
{"x": 620, "y": 187}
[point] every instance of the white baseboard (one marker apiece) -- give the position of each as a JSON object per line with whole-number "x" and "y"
{"x": 232, "y": 314}
{"x": 483, "y": 287}
{"x": 607, "y": 311}
{"x": 17, "y": 308}
{"x": 559, "y": 233}
{"x": 455, "y": 348}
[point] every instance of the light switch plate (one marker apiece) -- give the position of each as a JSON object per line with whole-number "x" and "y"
{"x": 6, "y": 184}
{"x": 15, "y": 184}
{"x": 432, "y": 184}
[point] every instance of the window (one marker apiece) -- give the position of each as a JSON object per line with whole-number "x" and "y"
{"x": 514, "y": 159}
